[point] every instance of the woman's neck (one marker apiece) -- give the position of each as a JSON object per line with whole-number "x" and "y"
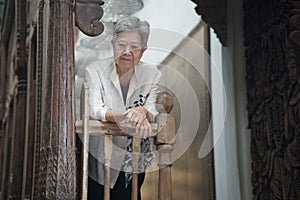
{"x": 124, "y": 75}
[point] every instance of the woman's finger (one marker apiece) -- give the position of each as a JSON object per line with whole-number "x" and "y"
{"x": 128, "y": 115}
{"x": 144, "y": 129}
{"x": 149, "y": 129}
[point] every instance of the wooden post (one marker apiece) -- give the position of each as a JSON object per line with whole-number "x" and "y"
{"x": 136, "y": 146}
{"x": 164, "y": 141}
{"x": 107, "y": 159}
{"x": 85, "y": 138}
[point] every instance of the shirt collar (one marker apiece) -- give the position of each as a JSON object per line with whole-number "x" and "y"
{"x": 114, "y": 75}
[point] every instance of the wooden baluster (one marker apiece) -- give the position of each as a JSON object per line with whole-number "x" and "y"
{"x": 164, "y": 141}
{"x": 136, "y": 142}
{"x": 107, "y": 159}
{"x": 85, "y": 138}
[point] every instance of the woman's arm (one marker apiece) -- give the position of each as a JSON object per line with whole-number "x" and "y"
{"x": 97, "y": 107}
{"x": 150, "y": 104}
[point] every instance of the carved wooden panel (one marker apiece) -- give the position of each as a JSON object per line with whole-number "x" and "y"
{"x": 88, "y": 15}
{"x": 273, "y": 88}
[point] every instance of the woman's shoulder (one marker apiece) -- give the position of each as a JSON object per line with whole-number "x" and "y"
{"x": 148, "y": 68}
{"x": 101, "y": 66}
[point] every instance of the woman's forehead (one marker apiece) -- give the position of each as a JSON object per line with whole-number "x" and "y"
{"x": 132, "y": 36}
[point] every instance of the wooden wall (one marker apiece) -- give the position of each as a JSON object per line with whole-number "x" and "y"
{"x": 273, "y": 88}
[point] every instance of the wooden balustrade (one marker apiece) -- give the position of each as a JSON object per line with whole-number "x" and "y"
{"x": 163, "y": 131}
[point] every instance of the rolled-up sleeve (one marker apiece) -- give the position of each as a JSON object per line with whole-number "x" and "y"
{"x": 97, "y": 105}
{"x": 151, "y": 100}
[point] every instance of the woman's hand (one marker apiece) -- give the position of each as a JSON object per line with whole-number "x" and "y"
{"x": 138, "y": 117}
{"x": 143, "y": 129}
{"x": 135, "y": 116}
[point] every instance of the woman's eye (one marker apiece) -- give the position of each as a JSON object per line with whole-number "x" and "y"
{"x": 134, "y": 47}
{"x": 122, "y": 45}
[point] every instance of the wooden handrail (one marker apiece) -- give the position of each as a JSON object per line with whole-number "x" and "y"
{"x": 97, "y": 127}
{"x": 163, "y": 131}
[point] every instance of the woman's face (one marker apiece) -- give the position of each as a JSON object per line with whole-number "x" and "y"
{"x": 128, "y": 49}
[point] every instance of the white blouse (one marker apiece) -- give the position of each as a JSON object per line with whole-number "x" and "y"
{"x": 105, "y": 93}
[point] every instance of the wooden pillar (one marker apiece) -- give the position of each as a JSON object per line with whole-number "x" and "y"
{"x": 164, "y": 144}
{"x": 57, "y": 166}
{"x": 18, "y": 136}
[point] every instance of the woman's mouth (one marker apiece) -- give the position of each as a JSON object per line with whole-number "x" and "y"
{"x": 126, "y": 59}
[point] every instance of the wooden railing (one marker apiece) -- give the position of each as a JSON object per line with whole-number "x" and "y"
{"x": 163, "y": 131}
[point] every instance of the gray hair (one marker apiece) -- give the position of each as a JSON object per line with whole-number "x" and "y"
{"x": 132, "y": 24}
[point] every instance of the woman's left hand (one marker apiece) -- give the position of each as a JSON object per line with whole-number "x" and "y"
{"x": 143, "y": 129}
{"x": 138, "y": 117}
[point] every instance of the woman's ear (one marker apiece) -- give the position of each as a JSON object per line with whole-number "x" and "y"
{"x": 144, "y": 49}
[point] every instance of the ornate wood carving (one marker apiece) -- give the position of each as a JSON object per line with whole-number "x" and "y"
{"x": 273, "y": 86}
{"x": 38, "y": 98}
{"x": 56, "y": 170}
{"x": 56, "y": 161}
{"x": 87, "y": 15}
{"x": 214, "y": 13}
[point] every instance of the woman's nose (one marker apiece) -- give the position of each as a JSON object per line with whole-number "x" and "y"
{"x": 127, "y": 49}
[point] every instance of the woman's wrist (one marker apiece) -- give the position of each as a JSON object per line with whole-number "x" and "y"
{"x": 114, "y": 116}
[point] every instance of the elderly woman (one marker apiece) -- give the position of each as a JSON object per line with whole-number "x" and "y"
{"x": 122, "y": 89}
